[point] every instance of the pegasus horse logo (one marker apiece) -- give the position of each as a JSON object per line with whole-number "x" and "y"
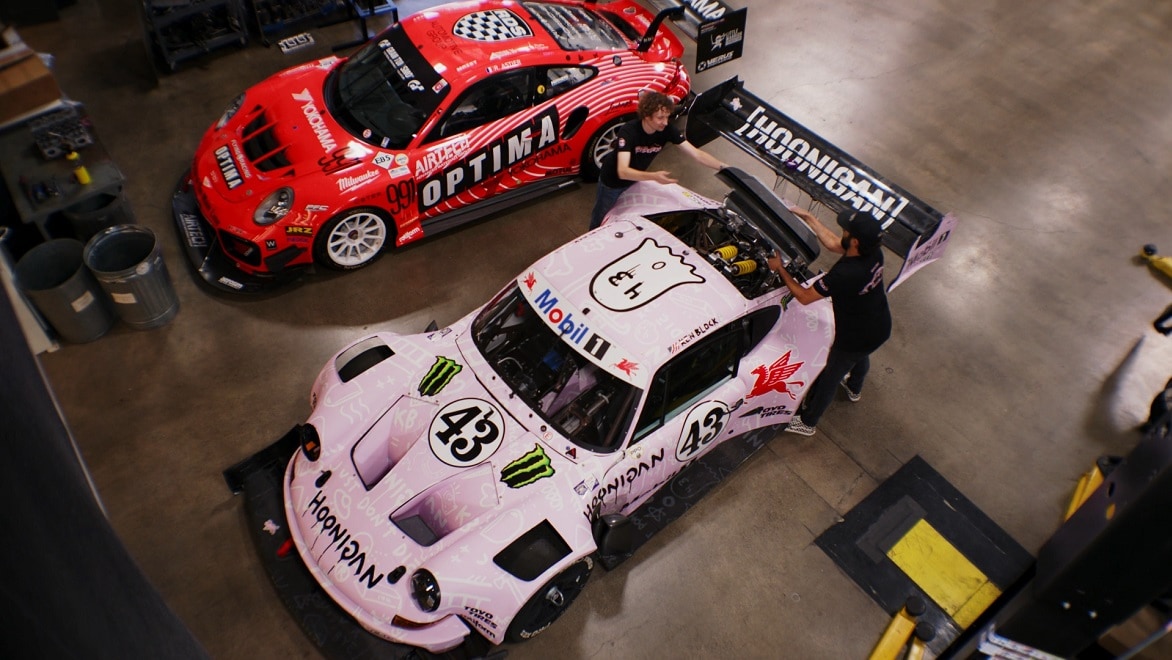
{"x": 774, "y": 377}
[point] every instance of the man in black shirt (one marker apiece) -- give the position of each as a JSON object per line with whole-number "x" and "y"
{"x": 639, "y": 142}
{"x": 862, "y": 320}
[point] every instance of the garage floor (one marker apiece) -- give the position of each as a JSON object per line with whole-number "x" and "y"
{"x": 1016, "y": 361}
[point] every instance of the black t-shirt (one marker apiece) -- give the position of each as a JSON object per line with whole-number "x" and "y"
{"x": 862, "y": 321}
{"x": 642, "y": 146}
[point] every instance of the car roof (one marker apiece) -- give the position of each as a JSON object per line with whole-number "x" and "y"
{"x": 637, "y": 288}
{"x": 471, "y": 37}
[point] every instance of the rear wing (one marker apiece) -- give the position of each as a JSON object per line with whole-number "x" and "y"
{"x": 914, "y": 230}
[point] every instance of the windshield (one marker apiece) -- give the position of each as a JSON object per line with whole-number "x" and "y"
{"x": 583, "y": 402}
{"x": 577, "y": 28}
{"x": 385, "y": 92}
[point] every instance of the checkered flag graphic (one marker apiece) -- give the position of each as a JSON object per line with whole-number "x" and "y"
{"x": 495, "y": 25}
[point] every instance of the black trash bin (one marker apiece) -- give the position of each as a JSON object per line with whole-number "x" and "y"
{"x": 97, "y": 212}
{"x": 54, "y": 277}
{"x": 128, "y": 264}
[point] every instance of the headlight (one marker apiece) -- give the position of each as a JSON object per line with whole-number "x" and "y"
{"x": 426, "y": 590}
{"x": 310, "y": 442}
{"x": 232, "y": 108}
{"x": 274, "y": 207}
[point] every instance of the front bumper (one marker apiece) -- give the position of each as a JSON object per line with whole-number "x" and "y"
{"x": 201, "y": 243}
{"x": 260, "y": 478}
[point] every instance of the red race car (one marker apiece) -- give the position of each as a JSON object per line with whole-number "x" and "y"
{"x": 448, "y": 115}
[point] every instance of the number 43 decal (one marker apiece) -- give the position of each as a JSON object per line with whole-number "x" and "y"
{"x": 702, "y": 425}
{"x": 466, "y": 432}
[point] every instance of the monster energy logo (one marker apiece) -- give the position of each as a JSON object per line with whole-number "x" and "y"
{"x": 527, "y": 469}
{"x": 438, "y": 377}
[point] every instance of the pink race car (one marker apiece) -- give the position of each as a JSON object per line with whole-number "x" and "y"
{"x": 458, "y": 485}
{"x": 463, "y": 479}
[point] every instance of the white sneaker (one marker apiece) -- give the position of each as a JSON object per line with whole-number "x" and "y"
{"x": 796, "y": 425}
{"x": 853, "y": 396}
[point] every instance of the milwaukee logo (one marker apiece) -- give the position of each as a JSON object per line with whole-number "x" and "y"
{"x": 348, "y": 183}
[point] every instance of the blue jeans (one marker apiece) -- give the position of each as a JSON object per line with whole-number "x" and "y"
{"x": 604, "y": 201}
{"x": 839, "y": 363}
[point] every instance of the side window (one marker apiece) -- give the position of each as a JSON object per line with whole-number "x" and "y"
{"x": 487, "y": 101}
{"x": 690, "y": 375}
{"x": 560, "y": 79}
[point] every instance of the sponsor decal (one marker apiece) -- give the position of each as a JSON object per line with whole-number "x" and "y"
{"x": 348, "y": 183}
{"x": 316, "y": 207}
{"x": 692, "y": 336}
{"x": 850, "y": 184}
{"x": 316, "y": 122}
{"x": 640, "y": 276}
{"x": 437, "y": 157}
{"x": 467, "y": 65}
{"x": 400, "y": 65}
{"x": 562, "y": 320}
{"x": 400, "y": 172}
{"x": 384, "y": 160}
{"x": 768, "y": 411}
{"x": 270, "y": 244}
{"x": 349, "y": 551}
{"x": 228, "y": 167}
{"x": 298, "y": 231}
{"x": 626, "y": 479}
{"x": 192, "y": 232}
{"x": 706, "y": 9}
{"x": 480, "y": 618}
{"x": 415, "y": 233}
{"x": 775, "y": 377}
{"x": 510, "y": 52}
{"x": 465, "y": 432}
{"x": 502, "y": 66}
{"x": 511, "y": 148}
{"x": 492, "y": 25}
{"x": 340, "y": 159}
{"x": 241, "y": 159}
{"x": 529, "y": 468}
{"x": 438, "y": 377}
{"x": 401, "y": 159}
{"x": 227, "y": 281}
{"x": 702, "y": 425}
{"x": 626, "y": 366}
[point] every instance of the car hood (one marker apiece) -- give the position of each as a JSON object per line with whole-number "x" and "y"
{"x": 283, "y": 135}
{"x": 442, "y": 474}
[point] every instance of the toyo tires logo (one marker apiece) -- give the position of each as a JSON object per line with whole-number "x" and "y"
{"x": 527, "y": 469}
{"x": 438, "y": 377}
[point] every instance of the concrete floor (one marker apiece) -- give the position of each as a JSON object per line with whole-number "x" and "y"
{"x": 1015, "y": 362}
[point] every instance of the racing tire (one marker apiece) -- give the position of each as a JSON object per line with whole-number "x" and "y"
{"x": 549, "y": 602}
{"x": 600, "y": 144}
{"x": 352, "y": 239}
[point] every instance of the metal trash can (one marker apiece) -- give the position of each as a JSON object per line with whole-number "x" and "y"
{"x": 97, "y": 212}
{"x": 128, "y": 264}
{"x": 53, "y": 276}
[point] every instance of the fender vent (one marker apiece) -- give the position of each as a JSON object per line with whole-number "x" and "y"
{"x": 533, "y": 552}
{"x": 360, "y": 357}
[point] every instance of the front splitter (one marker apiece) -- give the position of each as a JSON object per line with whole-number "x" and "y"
{"x": 328, "y": 626}
{"x": 202, "y": 247}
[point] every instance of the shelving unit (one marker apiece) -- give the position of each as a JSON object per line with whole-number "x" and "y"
{"x": 179, "y": 30}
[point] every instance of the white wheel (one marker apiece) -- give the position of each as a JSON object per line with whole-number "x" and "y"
{"x": 351, "y": 239}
